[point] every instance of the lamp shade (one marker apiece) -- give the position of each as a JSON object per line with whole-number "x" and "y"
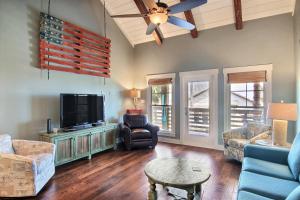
{"x": 282, "y": 111}
{"x": 135, "y": 93}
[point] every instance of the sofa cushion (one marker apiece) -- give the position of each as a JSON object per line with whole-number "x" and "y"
{"x": 42, "y": 161}
{"x": 295, "y": 195}
{"x": 6, "y": 144}
{"x": 267, "y": 168}
{"x": 294, "y": 158}
{"x": 266, "y": 186}
{"x": 140, "y": 133}
{"x": 243, "y": 195}
{"x": 238, "y": 143}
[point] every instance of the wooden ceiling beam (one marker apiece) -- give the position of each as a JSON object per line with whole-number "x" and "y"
{"x": 238, "y": 14}
{"x": 143, "y": 9}
{"x": 190, "y": 18}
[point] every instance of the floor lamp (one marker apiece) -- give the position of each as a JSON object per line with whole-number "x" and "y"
{"x": 281, "y": 113}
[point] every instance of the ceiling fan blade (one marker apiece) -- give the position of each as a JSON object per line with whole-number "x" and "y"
{"x": 129, "y": 15}
{"x": 150, "y": 4}
{"x": 186, "y": 5}
{"x": 181, "y": 23}
{"x": 151, "y": 28}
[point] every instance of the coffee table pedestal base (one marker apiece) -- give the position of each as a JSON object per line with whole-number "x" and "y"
{"x": 193, "y": 192}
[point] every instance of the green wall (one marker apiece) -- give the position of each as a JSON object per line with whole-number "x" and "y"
{"x": 27, "y": 98}
{"x": 262, "y": 41}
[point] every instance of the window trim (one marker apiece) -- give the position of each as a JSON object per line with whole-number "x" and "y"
{"x": 267, "y": 87}
{"x": 149, "y": 108}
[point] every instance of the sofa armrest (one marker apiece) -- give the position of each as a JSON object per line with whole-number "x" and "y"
{"x": 154, "y": 130}
{"x": 233, "y": 133}
{"x": 15, "y": 171}
{"x": 27, "y": 147}
{"x": 271, "y": 154}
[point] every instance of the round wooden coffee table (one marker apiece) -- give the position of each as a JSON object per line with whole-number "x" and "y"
{"x": 178, "y": 173}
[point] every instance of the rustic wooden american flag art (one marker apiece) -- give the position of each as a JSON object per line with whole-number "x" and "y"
{"x": 70, "y": 48}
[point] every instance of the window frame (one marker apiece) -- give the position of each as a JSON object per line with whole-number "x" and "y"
{"x": 149, "y": 102}
{"x": 267, "y": 89}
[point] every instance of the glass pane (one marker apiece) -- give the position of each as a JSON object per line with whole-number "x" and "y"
{"x": 162, "y": 117}
{"x": 238, "y": 98}
{"x": 255, "y": 98}
{"x": 247, "y": 103}
{"x": 161, "y": 99}
{"x": 198, "y": 107}
{"x": 161, "y": 106}
{"x": 255, "y": 86}
{"x": 238, "y": 86}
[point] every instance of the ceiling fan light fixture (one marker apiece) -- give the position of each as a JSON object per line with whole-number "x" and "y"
{"x": 158, "y": 18}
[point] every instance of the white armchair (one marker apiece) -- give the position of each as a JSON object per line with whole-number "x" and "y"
{"x": 25, "y": 166}
{"x": 235, "y": 139}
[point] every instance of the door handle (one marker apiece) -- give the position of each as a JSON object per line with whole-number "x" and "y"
{"x": 186, "y": 111}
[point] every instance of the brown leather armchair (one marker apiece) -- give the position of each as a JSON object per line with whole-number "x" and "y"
{"x": 137, "y": 132}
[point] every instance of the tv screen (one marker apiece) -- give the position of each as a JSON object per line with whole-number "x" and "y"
{"x": 80, "y": 109}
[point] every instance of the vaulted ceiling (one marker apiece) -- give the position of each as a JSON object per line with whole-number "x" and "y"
{"x": 213, "y": 14}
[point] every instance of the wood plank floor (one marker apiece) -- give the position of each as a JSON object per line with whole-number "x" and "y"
{"x": 119, "y": 175}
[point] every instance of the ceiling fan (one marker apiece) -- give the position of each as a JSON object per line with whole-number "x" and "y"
{"x": 159, "y": 13}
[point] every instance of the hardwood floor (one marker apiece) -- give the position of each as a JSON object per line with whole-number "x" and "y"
{"x": 119, "y": 175}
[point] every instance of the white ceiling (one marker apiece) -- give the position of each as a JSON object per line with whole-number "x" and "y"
{"x": 213, "y": 14}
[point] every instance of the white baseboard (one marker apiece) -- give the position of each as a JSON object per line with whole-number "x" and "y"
{"x": 169, "y": 140}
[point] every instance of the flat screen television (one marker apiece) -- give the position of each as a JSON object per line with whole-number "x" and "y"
{"x": 78, "y": 110}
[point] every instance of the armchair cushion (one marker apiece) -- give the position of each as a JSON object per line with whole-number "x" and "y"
{"x": 267, "y": 168}
{"x": 6, "y": 144}
{"x": 294, "y": 158}
{"x": 271, "y": 154}
{"x": 140, "y": 133}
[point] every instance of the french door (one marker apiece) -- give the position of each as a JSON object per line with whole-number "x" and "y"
{"x": 199, "y": 108}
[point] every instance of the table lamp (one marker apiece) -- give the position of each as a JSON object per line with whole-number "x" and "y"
{"x": 281, "y": 113}
{"x": 135, "y": 94}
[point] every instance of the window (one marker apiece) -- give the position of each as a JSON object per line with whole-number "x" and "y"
{"x": 160, "y": 102}
{"x": 198, "y": 107}
{"x": 246, "y": 103}
{"x": 247, "y": 92}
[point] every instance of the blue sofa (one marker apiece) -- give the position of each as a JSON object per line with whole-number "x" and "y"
{"x": 270, "y": 173}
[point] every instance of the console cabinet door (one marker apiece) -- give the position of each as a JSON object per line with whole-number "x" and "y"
{"x": 83, "y": 145}
{"x": 96, "y": 141}
{"x": 108, "y": 139}
{"x": 64, "y": 150}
